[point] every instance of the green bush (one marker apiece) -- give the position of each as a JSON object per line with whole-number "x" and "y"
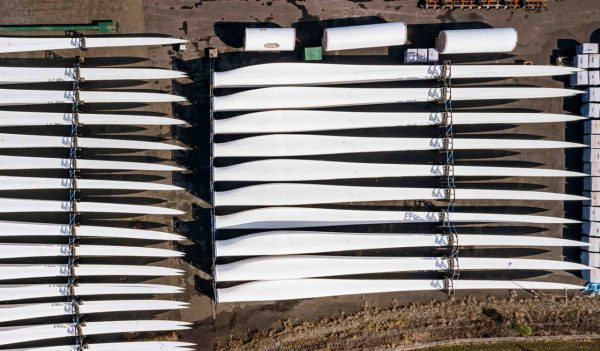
{"x": 521, "y": 328}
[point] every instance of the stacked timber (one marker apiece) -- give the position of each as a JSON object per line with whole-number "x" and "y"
{"x": 289, "y": 221}
{"x": 52, "y": 255}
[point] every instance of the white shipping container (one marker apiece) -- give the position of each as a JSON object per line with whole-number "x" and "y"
{"x": 594, "y": 77}
{"x": 422, "y": 55}
{"x": 591, "y": 110}
{"x": 592, "y": 95}
{"x": 581, "y": 61}
{"x": 579, "y": 78}
{"x": 594, "y": 61}
{"x": 432, "y": 55}
{"x": 411, "y": 56}
{"x": 587, "y": 48}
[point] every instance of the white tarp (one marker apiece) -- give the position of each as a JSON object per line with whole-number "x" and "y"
{"x": 302, "y": 73}
{"x": 276, "y": 145}
{"x": 286, "y": 194}
{"x": 291, "y": 242}
{"x": 317, "y": 97}
{"x": 304, "y": 217}
{"x": 274, "y": 290}
{"x": 284, "y": 170}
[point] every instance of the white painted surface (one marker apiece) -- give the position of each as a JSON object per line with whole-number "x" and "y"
{"x": 11, "y": 313}
{"x": 13, "y": 335}
{"x": 53, "y": 250}
{"x": 306, "y": 242}
{"x": 317, "y": 97}
{"x": 592, "y": 95}
{"x": 289, "y": 194}
{"x": 587, "y": 48}
{"x": 303, "y": 73}
{"x": 270, "y": 39}
{"x": 591, "y": 183}
{"x": 591, "y": 155}
{"x": 35, "y": 291}
{"x": 594, "y": 198}
{"x": 474, "y": 41}
{"x": 304, "y": 266}
{"x": 25, "y": 271}
{"x": 304, "y": 217}
{"x": 364, "y": 36}
{"x": 22, "y": 183}
{"x": 26, "y": 206}
{"x": 283, "y": 121}
{"x": 276, "y": 145}
{"x": 283, "y": 170}
{"x": 12, "y": 229}
{"x": 38, "y": 97}
{"x": 593, "y": 241}
{"x": 16, "y": 141}
{"x": 591, "y": 213}
{"x": 19, "y": 118}
{"x": 592, "y": 275}
{"x": 591, "y": 259}
{"x": 10, "y": 75}
{"x": 309, "y": 288}
{"x": 591, "y": 110}
{"x": 120, "y": 346}
{"x": 22, "y": 162}
{"x": 591, "y": 228}
{"x": 23, "y": 44}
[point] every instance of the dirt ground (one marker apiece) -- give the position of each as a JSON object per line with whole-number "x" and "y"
{"x": 220, "y": 24}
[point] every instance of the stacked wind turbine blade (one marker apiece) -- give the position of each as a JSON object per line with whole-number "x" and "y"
{"x": 289, "y": 194}
{"x": 27, "y": 206}
{"x": 288, "y": 73}
{"x": 286, "y": 170}
{"x": 279, "y": 145}
{"x": 24, "y": 44}
{"x": 14, "y": 229}
{"x": 311, "y": 242}
{"x": 25, "y": 271}
{"x": 121, "y": 346}
{"x": 8, "y": 251}
{"x": 14, "y": 335}
{"x": 305, "y": 217}
{"x": 24, "y": 183}
{"x": 36, "y": 291}
{"x": 19, "y": 118}
{"x": 273, "y": 290}
{"x": 17, "y": 141}
{"x": 11, "y": 313}
{"x": 24, "y": 162}
{"x": 290, "y": 121}
{"x": 297, "y": 267}
{"x": 14, "y": 75}
{"x": 321, "y": 97}
{"x": 40, "y": 97}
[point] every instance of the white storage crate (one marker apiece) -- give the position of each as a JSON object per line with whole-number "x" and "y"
{"x": 591, "y": 95}
{"x": 594, "y": 61}
{"x": 411, "y": 56}
{"x": 587, "y": 48}
{"x": 581, "y": 61}
{"x": 432, "y": 55}
{"x": 591, "y": 110}
{"x": 594, "y": 78}
{"x": 579, "y": 78}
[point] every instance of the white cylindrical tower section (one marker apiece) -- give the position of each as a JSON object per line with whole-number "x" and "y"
{"x": 270, "y": 39}
{"x": 365, "y": 36}
{"x": 471, "y": 41}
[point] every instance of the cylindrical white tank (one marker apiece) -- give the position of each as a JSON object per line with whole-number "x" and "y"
{"x": 467, "y": 41}
{"x": 365, "y": 36}
{"x": 270, "y": 39}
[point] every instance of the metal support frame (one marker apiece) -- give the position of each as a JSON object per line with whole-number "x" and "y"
{"x": 212, "y": 56}
{"x": 448, "y": 181}
{"x": 77, "y": 317}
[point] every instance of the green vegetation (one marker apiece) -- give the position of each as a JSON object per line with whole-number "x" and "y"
{"x": 521, "y": 328}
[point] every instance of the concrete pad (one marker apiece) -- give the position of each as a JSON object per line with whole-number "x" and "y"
{"x": 591, "y": 259}
{"x": 593, "y": 241}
